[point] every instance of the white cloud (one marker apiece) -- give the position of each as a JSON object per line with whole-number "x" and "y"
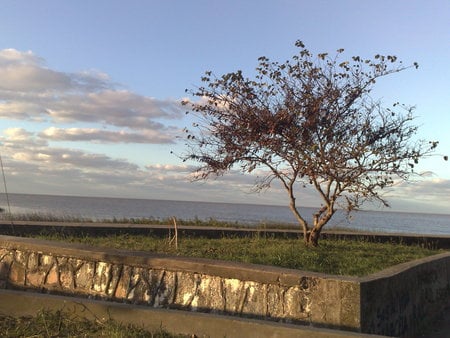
{"x": 20, "y": 110}
{"x": 17, "y": 134}
{"x": 66, "y": 171}
{"x": 106, "y": 136}
{"x": 433, "y": 188}
{"x": 76, "y": 104}
{"x": 114, "y": 107}
{"x": 170, "y": 167}
{"x": 58, "y": 170}
{"x": 18, "y": 138}
{"x": 21, "y": 145}
{"x": 29, "y": 162}
{"x": 31, "y": 91}
{"x": 12, "y": 56}
{"x": 24, "y": 72}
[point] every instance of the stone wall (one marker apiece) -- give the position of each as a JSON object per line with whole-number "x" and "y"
{"x": 399, "y": 300}
{"x": 173, "y": 282}
{"x": 391, "y": 302}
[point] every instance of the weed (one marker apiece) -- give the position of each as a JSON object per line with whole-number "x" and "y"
{"x": 338, "y": 257}
{"x": 64, "y": 323}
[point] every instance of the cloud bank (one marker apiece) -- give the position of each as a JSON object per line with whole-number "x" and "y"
{"x": 33, "y": 92}
{"x": 105, "y": 136}
{"x": 88, "y": 108}
{"x": 31, "y": 162}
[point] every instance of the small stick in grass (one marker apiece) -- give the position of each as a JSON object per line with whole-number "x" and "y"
{"x": 175, "y": 237}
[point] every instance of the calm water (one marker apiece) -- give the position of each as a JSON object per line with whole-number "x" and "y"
{"x": 109, "y": 208}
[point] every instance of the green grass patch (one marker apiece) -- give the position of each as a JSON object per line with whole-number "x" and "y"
{"x": 210, "y": 222}
{"x": 63, "y": 323}
{"x": 337, "y": 257}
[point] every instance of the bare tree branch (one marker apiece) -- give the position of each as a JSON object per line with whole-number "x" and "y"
{"x": 309, "y": 121}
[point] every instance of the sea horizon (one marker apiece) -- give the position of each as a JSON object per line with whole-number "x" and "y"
{"x": 383, "y": 209}
{"x": 121, "y": 208}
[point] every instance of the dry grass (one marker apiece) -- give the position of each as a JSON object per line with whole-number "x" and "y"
{"x": 63, "y": 323}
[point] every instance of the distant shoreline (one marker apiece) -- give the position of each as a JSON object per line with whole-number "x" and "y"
{"x": 48, "y": 207}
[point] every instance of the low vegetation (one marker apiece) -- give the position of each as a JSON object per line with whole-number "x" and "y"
{"x": 210, "y": 222}
{"x": 339, "y": 257}
{"x": 63, "y": 323}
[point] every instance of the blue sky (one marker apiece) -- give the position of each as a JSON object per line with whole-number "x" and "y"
{"x": 90, "y": 90}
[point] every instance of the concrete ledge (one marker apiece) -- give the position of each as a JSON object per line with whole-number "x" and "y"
{"x": 19, "y": 303}
{"x": 395, "y": 302}
{"x": 225, "y": 269}
{"x": 191, "y": 284}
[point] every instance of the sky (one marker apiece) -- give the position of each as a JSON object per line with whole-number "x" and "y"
{"x": 90, "y": 91}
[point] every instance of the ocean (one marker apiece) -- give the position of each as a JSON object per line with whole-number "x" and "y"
{"x": 99, "y": 208}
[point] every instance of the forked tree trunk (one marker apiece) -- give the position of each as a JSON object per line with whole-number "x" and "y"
{"x": 312, "y": 237}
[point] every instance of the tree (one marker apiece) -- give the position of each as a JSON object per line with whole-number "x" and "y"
{"x": 309, "y": 121}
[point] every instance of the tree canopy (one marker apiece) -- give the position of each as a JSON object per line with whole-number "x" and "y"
{"x": 309, "y": 121}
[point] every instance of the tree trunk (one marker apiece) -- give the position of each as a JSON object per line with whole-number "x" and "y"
{"x": 319, "y": 222}
{"x": 312, "y": 238}
{"x": 297, "y": 215}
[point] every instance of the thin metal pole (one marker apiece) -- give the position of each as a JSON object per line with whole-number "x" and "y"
{"x": 6, "y": 193}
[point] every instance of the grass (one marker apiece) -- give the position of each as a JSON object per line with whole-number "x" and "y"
{"x": 337, "y": 257}
{"x": 63, "y": 323}
{"x": 211, "y": 222}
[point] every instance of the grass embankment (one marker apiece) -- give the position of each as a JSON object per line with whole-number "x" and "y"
{"x": 337, "y": 257}
{"x": 66, "y": 324}
{"x": 211, "y": 222}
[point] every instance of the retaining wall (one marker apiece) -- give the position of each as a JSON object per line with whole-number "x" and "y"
{"x": 393, "y": 302}
{"x": 188, "y": 323}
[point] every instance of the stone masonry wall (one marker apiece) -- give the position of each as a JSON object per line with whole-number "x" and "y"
{"x": 180, "y": 283}
{"x": 393, "y": 302}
